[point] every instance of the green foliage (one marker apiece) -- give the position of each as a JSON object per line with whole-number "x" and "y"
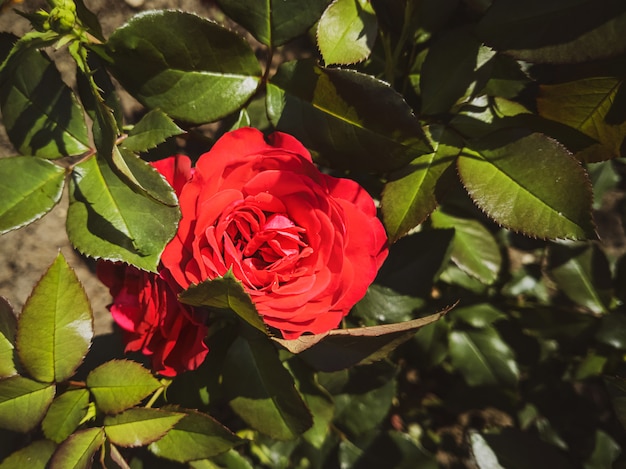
{"x": 492, "y": 133}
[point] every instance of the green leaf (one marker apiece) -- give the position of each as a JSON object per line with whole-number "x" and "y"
{"x": 195, "y": 436}
{"x": 616, "y": 387}
{"x": 605, "y": 452}
{"x": 106, "y": 219}
{"x": 25, "y": 398}
{"x": 591, "y": 32}
{"x": 8, "y": 327}
{"x": 56, "y": 325}
{"x": 139, "y": 427}
{"x": 483, "y": 357}
{"x": 479, "y": 315}
{"x": 529, "y": 184}
{"x": 583, "y": 274}
{"x": 350, "y": 119}
{"x": 78, "y": 450}
{"x": 586, "y": 105}
{"x": 346, "y": 32}
{"x": 153, "y": 128}
{"x": 226, "y": 293}
{"x": 30, "y": 188}
{"x": 274, "y": 22}
{"x": 34, "y": 456}
{"x": 474, "y": 249}
{"x": 120, "y": 384}
{"x": 431, "y": 343}
{"x": 612, "y": 330}
{"x": 262, "y": 392}
{"x": 39, "y": 112}
{"x": 339, "y": 349}
{"x": 190, "y": 68}
{"x": 457, "y": 55}
{"x": 410, "y": 194}
{"x": 65, "y": 414}
{"x": 382, "y": 305}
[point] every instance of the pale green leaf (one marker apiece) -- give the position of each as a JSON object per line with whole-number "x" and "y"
{"x": 78, "y": 450}
{"x": 30, "y": 188}
{"x": 56, "y": 325}
{"x": 25, "y": 398}
{"x": 65, "y": 414}
{"x": 346, "y": 31}
{"x": 139, "y": 427}
{"x": 34, "y": 456}
{"x": 153, "y": 128}
{"x": 8, "y": 327}
{"x": 120, "y": 384}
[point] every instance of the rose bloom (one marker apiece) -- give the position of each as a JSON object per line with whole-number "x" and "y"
{"x": 305, "y": 245}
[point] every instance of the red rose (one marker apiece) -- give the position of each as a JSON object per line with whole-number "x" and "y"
{"x": 145, "y": 305}
{"x": 154, "y": 322}
{"x": 305, "y": 245}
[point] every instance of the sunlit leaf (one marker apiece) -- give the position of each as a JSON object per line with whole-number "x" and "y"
{"x": 196, "y": 436}
{"x": 564, "y": 31}
{"x": 119, "y": 384}
{"x": 39, "y": 111}
{"x": 30, "y": 188}
{"x": 225, "y": 293}
{"x": 409, "y": 195}
{"x": 346, "y": 31}
{"x": 343, "y": 348}
{"x": 474, "y": 249}
{"x": 483, "y": 357}
{"x": 583, "y": 274}
{"x": 585, "y": 105}
{"x": 25, "y": 398}
{"x": 612, "y": 330}
{"x": 274, "y": 22}
{"x": 106, "y": 219}
{"x": 262, "y": 392}
{"x": 139, "y": 427}
{"x": 350, "y": 119}
{"x": 78, "y": 450}
{"x": 65, "y": 414}
{"x": 153, "y": 128}
{"x": 34, "y": 456}
{"x": 8, "y": 327}
{"x": 190, "y": 68}
{"x": 56, "y": 325}
{"x": 530, "y": 184}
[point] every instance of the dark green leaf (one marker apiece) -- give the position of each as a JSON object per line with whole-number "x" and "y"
{"x": 196, "y": 436}
{"x": 224, "y": 293}
{"x": 153, "y": 128}
{"x": 65, "y": 414}
{"x": 119, "y": 384}
{"x": 483, "y": 357}
{"x": 456, "y": 55}
{"x": 604, "y": 178}
{"x": 262, "y": 392}
{"x": 34, "y": 456}
{"x": 106, "y": 219}
{"x": 351, "y": 119}
{"x": 8, "y": 327}
{"x": 139, "y": 427}
{"x": 346, "y": 32}
{"x": 583, "y": 274}
{"x": 39, "y": 111}
{"x": 17, "y": 49}
{"x": 30, "y": 188}
{"x": 343, "y": 348}
{"x": 564, "y": 31}
{"x": 409, "y": 196}
{"x": 78, "y": 450}
{"x": 382, "y": 305}
{"x": 612, "y": 330}
{"x": 56, "y": 325}
{"x": 585, "y": 105}
{"x": 190, "y": 68}
{"x": 474, "y": 249}
{"x": 274, "y": 22}
{"x": 25, "y": 398}
{"x": 530, "y": 184}
{"x": 617, "y": 390}
{"x": 605, "y": 451}
{"x": 431, "y": 342}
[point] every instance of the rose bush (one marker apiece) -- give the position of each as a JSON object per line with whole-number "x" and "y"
{"x": 305, "y": 246}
